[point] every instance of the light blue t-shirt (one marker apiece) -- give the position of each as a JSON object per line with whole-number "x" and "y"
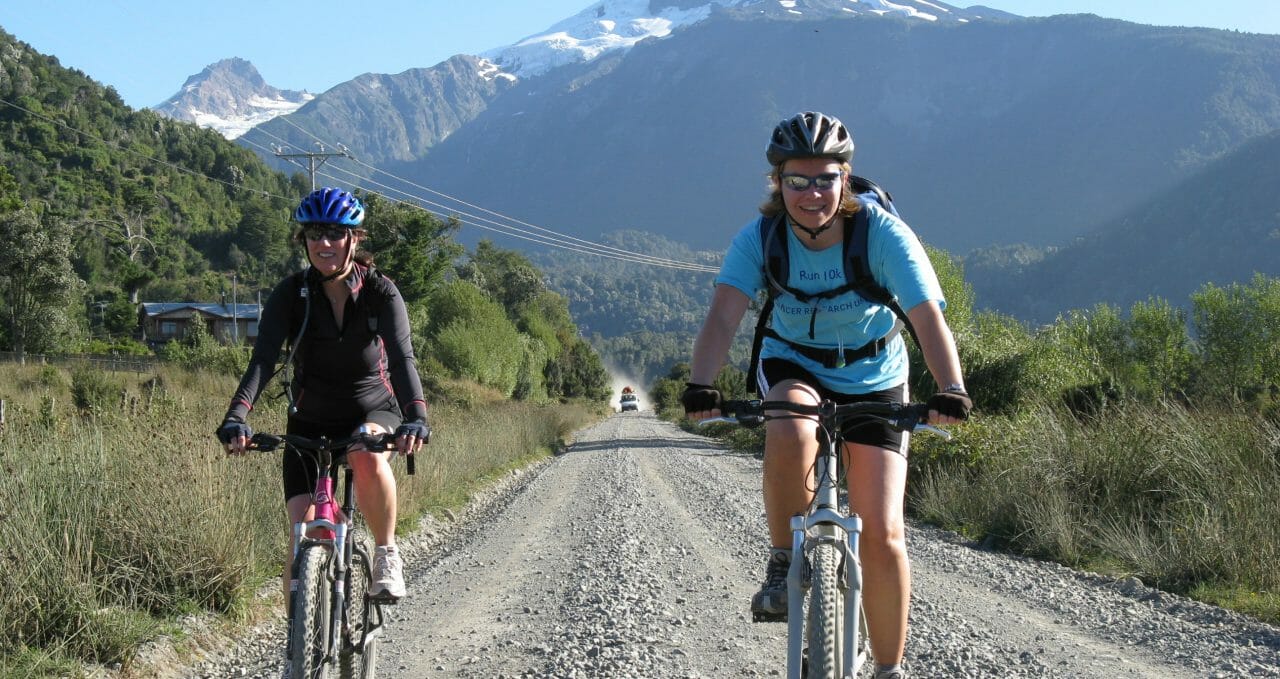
{"x": 898, "y": 262}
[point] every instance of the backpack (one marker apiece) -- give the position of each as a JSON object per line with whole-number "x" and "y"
{"x": 300, "y": 315}
{"x": 857, "y": 276}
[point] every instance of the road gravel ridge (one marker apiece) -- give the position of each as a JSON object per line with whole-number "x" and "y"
{"x": 635, "y": 553}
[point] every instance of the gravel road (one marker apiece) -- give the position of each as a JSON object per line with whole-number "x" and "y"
{"x": 636, "y": 552}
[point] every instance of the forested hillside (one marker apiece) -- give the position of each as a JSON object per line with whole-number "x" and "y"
{"x": 640, "y": 317}
{"x": 104, "y": 207}
{"x": 151, "y": 208}
{"x": 1220, "y": 226}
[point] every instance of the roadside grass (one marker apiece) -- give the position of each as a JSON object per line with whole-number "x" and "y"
{"x": 119, "y": 514}
{"x": 1184, "y": 500}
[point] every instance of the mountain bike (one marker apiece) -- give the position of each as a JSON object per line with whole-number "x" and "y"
{"x": 332, "y": 618}
{"x": 826, "y": 570}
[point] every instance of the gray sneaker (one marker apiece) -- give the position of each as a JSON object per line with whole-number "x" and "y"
{"x": 770, "y": 603}
{"x": 388, "y": 576}
{"x": 890, "y": 672}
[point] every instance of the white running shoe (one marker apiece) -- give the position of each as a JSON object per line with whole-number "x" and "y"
{"x": 388, "y": 574}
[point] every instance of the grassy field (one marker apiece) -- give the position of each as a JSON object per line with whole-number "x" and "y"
{"x": 119, "y": 513}
{"x": 1184, "y": 500}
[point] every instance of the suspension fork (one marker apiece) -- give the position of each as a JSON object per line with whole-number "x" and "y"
{"x": 822, "y": 523}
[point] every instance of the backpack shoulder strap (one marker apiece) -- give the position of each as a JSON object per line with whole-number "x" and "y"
{"x": 776, "y": 269}
{"x": 777, "y": 260}
{"x": 374, "y": 280}
{"x": 857, "y": 263}
{"x": 299, "y": 301}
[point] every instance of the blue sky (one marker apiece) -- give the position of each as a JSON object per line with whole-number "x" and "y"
{"x": 146, "y": 49}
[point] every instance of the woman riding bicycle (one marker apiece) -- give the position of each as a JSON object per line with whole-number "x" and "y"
{"x": 354, "y": 370}
{"x": 810, "y": 155}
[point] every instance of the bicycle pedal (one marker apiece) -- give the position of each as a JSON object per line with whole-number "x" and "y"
{"x": 762, "y": 616}
{"x": 383, "y": 599}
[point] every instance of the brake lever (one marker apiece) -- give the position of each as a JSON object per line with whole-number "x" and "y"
{"x": 937, "y": 431}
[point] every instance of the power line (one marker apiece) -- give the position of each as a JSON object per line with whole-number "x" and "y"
{"x": 584, "y": 248}
{"x": 556, "y": 237}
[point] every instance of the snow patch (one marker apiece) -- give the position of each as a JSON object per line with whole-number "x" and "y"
{"x": 883, "y": 7}
{"x": 603, "y": 27}
{"x": 612, "y": 25}
{"x": 491, "y": 71}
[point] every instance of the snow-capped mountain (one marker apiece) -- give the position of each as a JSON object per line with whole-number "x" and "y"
{"x": 231, "y": 97}
{"x": 619, "y": 24}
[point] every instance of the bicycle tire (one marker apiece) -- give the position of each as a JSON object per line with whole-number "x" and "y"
{"x": 825, "y": 614}
{"x": 354, "y": 664}
{"x": 311, "y": 614}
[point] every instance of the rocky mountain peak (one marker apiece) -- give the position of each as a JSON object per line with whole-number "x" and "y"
{"x": 231, "y": 97}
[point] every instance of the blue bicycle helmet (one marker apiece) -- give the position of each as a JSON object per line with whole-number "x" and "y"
{"x": 809, "y": 135}
{"x": 330, "y": 206}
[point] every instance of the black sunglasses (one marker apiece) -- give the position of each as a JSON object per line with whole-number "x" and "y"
{"x": 330, "y": 233}
{"x": 800, "y": 182}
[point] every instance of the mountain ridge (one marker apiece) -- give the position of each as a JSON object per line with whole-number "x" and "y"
{"x": 1222, "y": 223}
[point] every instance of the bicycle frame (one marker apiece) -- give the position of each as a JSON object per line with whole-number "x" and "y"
{"x": 332, "y": 527}
{"x": 330, "y": 530}
{"x": 825, "y": 523}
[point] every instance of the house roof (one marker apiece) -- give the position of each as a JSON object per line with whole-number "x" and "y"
{"x": 152, "y": 309}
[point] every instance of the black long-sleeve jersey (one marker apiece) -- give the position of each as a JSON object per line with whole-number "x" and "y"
{"x": 340, "y": 373}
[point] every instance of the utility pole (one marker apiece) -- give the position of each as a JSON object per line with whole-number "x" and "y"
{"x": 315, "y": 159}
{"x": 235, "y": 321}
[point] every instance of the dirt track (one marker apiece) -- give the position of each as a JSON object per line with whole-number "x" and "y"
{"x": 636, "y": 552}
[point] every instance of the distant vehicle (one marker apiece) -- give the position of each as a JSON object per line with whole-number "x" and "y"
{"x": 628, "y": 400}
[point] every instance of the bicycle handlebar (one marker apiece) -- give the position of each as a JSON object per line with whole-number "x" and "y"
{"x": 899, "y": 416}
{"x": 373, "y": 442}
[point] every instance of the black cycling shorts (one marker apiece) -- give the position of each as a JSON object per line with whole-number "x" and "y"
{"x": 299, "y": 466}
{"x": 879, "y": 434}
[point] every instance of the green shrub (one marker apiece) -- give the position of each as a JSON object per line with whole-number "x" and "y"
{"x": 51, "y": 378}
{"x": 94, "y": 392}
{"x": 486, "y": 352}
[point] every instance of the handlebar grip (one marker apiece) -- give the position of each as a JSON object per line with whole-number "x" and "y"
{"x": 408, "y": 464}
{"x": 265, "y": 442}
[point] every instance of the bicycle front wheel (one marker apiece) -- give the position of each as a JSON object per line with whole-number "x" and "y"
{"x": 825, "y": 614}
{"x": 310, "y": 616}
{"x": 354, "y": 661}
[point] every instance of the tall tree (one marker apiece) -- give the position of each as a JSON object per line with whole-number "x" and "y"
{"x": 37, "y": 280}
{"x": 263, "y": 237}
{"x": 411, "y": 245}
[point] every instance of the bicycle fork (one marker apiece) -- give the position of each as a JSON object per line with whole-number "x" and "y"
{"x": 331, "y": 527}
{"x": 825, "y": 524}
